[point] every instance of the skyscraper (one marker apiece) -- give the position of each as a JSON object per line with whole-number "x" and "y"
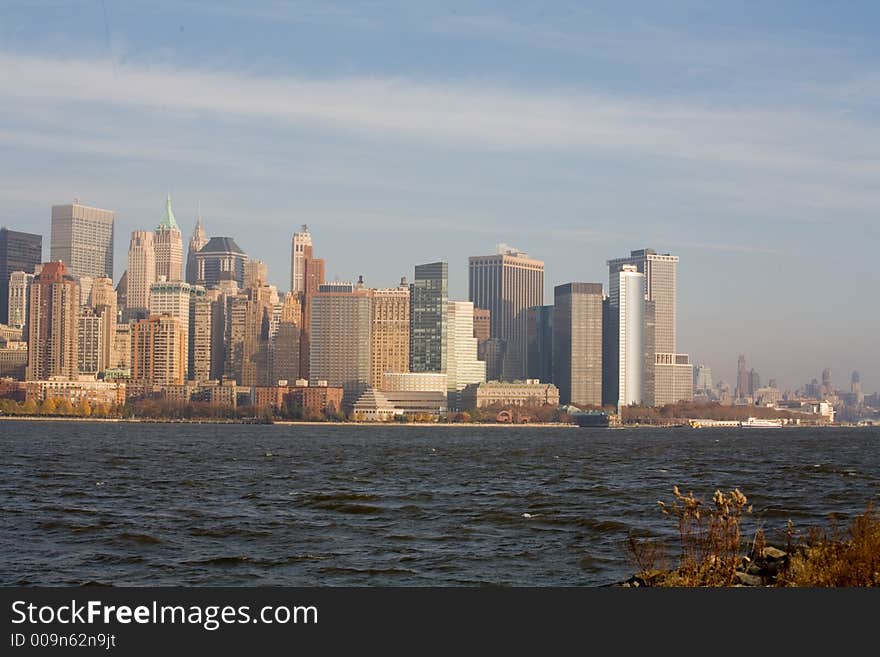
{"x": 82, "y": 238}
{"x": 507, "y": 284}
{"x": 577, "y": 343}
{"x": 53, "y": 322}
{"x": 169, "y": 246}
{"x": 625, "y": 369}
{"x": 220, "y": 259}
{"x": 300, "y": 251}
{"x": 429, "y": 299}
{"x": 141, "y": 273}
{"x": 340, "y": 348}
{"x": 390, "y": 332}
{"x": 90, "y": 342}
{"x": 703, "y": 378}
{"x": 256, "y": 273}
{"x": 660, "y": 273}
{"x": 284, "y": 340}
{"x": 196, "y": 242}
{"x": 462, "y": 365}
{"x": 313, "y": 278}
{"x": 18, "y": 252}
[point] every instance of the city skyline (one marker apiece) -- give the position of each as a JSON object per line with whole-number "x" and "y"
{"x": 577, "y": 137}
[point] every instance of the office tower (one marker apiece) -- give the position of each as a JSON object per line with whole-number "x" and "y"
{"x": 90, "y": 342}
{"x": 674, "y": 379}
{"x": 201, "y": 313}
{"x": 577, "y": 343}
{"x": 429, "y": 299}
{"x": 539, "y": 343}
{"x": 172, "y": 298}
{"x": 17, "y": 300}
{"x": 754, "y": 382}
{"x": 82, "y": 238}
{"x": 703, "y": 378}
{"x": 256, "y": 273}
{"x": 85, "y": 290}
{"x": 313, "y": 278}
{"x": 390, "y": 331}
{"x": 141, "y": 273}
{"x": 742, "y": 378}
{"x": 624, "y": 371}
{"x": 198, "y": 239}
{"x": 300, "y": 251}
{"x": 856, "y": 388}
{"x": 158, "y": 357}
{"x": 507, "y": 284}
{"x": 220, "y": 259}
{"x": 340, "y": 347}
{"x": 19, "y": 252}
{"x": 53, "y": 320}
{"x": 660, "y": 274}
{"x": 827, "y": 388}
{"x": 169, "y": 246}
{"x": 103, "y": 302}
{"x": 462, "y": 365}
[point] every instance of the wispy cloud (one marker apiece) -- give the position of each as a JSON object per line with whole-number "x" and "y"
{"x": 471, "y": 114}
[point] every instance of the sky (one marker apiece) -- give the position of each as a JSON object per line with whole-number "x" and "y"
{"x": 743, "y": 137}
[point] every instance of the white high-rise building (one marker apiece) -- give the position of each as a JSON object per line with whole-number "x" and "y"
{"x": 462, "y": 365}
{"x": 82, "y": 238}
{"x": 141, "y": 272}
{"x": 301, "y": 240}
{"x": 19, "y": 284}
{"x": 628, "y": 298}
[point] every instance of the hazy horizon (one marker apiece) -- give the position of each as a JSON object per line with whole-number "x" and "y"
{"x": 742, "y": 138}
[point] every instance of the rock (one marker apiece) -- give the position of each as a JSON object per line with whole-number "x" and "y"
{"x": 748, "y": 580}
{"x": 774, "y": 554}
{"x": 754, "y": 569}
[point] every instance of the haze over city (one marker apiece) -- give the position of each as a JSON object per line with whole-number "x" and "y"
{"x": 742, "y": 139}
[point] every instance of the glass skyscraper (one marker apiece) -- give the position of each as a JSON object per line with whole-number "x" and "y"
{"x": 18, "y": 252}
{"x": 429, "y": 296}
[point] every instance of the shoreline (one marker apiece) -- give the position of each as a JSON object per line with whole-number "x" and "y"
{"x": 529, "y": 425}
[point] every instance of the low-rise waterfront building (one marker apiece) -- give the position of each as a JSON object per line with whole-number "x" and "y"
{"x": 530, "y": 392}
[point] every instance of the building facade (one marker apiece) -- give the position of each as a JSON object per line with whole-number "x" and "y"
{"x": 300, "y": 251}
{"x": 462, "y": 366}
{"x": 197, "y": 240}
{"x": 539, "y": 343}
{"x": 82, "y": 238}
{"x": 19, "y": 284}
{"x": 158, "y": 357}
{"x": 390, "y": 331}
{"x": 340, "y": 346}
{"x": 141, "y": 272}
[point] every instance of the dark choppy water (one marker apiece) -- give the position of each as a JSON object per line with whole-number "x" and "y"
{"x": 153, "y": 504}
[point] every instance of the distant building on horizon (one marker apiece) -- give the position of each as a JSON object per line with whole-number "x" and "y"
{"x": 82, "y": 238}
{"x": 198, "y": 239}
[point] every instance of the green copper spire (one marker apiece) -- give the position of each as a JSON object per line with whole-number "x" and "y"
{"x": 168, "y": 222}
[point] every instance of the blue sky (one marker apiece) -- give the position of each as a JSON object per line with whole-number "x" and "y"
{"x": 743, "y": 137}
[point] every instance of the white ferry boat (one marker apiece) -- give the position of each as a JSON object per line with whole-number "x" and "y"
{"x": 757, "y": 423}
